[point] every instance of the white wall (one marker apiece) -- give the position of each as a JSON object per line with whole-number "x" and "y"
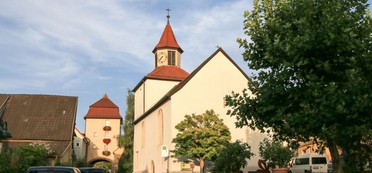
{"x": 206, "y": 90}
{"x": 218, "y": 78}
{"x": 79, "y": 146}
{"x": 149, "y": 93}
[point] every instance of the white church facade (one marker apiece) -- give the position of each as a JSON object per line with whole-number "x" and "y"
{"x": 168, "y": 93}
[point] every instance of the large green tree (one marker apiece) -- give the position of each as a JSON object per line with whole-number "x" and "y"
{"x": 201, "y": 137}
{"x": 126, "y": 141}
{"x": 314, "y": 71}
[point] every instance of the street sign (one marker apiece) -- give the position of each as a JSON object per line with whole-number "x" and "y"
{"x": 164, "y": 151}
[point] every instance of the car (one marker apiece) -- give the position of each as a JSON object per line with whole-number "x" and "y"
{"x": 52, "y": 169}
{"x": 92, "y": 170}
{"x": 310, "y": 163}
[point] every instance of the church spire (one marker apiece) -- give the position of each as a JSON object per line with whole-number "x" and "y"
{"x": 167, "y": 39}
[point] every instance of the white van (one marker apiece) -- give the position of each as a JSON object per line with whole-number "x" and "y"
{"x": 309, "y": 163}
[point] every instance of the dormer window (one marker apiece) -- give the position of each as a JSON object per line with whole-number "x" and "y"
{"x": 171, "y": 57}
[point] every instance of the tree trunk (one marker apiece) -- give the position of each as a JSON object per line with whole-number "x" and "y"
{"x": 337, "y": 165}
{"x": 201, "y": 165}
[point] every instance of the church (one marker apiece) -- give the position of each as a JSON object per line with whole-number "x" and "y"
{"x": 166, "y": 94}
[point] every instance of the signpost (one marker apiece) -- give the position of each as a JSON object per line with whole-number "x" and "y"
{"x": 192, "y": 166}
{"x": 165, "y": 154}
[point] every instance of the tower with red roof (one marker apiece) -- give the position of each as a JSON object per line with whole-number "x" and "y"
{"x": 102, "y": 126}
{"x": 166, "y": 74}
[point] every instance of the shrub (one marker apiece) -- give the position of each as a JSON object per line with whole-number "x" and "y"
{"x": 233, "y": 157}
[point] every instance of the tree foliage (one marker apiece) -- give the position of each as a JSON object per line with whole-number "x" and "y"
{"x": 126, "y": 141}
{"x": 103, "y": 164}
{"x": 201, "y": 137}
{"x": 313, "y": 59}
{"x": 19, "y": 159}
{"x": 233, "y": 157}
{"x": 275, "y": 153}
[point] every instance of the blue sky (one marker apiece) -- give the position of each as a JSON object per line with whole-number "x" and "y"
{"x": 89, "y": 48}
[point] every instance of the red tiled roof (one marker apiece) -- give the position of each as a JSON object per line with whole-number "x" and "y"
{"x": 104, "y": 102}
{"x": 168, "y": 40}
{"x": 168, "y": 73}
{"x": 103, "y": 108}
{"x": 112, "y": 113}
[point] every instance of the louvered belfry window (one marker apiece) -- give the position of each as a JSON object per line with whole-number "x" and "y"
{"x": 171, "y": 58}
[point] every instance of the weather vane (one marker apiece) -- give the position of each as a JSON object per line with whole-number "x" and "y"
{"x": 168, "y": 16}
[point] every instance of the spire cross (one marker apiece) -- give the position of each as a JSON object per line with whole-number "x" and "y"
{"x": 168, "y": 16}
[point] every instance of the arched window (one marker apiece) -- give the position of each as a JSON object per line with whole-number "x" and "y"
{"x": 160, "y": 127}
{"x": 152, "y": 168}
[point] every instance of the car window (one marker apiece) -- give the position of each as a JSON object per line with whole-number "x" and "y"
{"x": 302, "y": 161}
{"x": 319, "y": 160}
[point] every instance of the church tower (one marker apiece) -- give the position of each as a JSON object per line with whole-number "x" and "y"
{"x": 167, "y": 51}
{"x": 166, "y": 74}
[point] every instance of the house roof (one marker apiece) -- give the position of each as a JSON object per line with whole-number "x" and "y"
{"x": 178, "y": 87}
{"x": 40, "y": 118}
{"x": 167, "y": 40}
{"x": 103, "y": 109}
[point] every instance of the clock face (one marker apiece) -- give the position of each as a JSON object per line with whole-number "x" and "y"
{"x": 162, "y": 58}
